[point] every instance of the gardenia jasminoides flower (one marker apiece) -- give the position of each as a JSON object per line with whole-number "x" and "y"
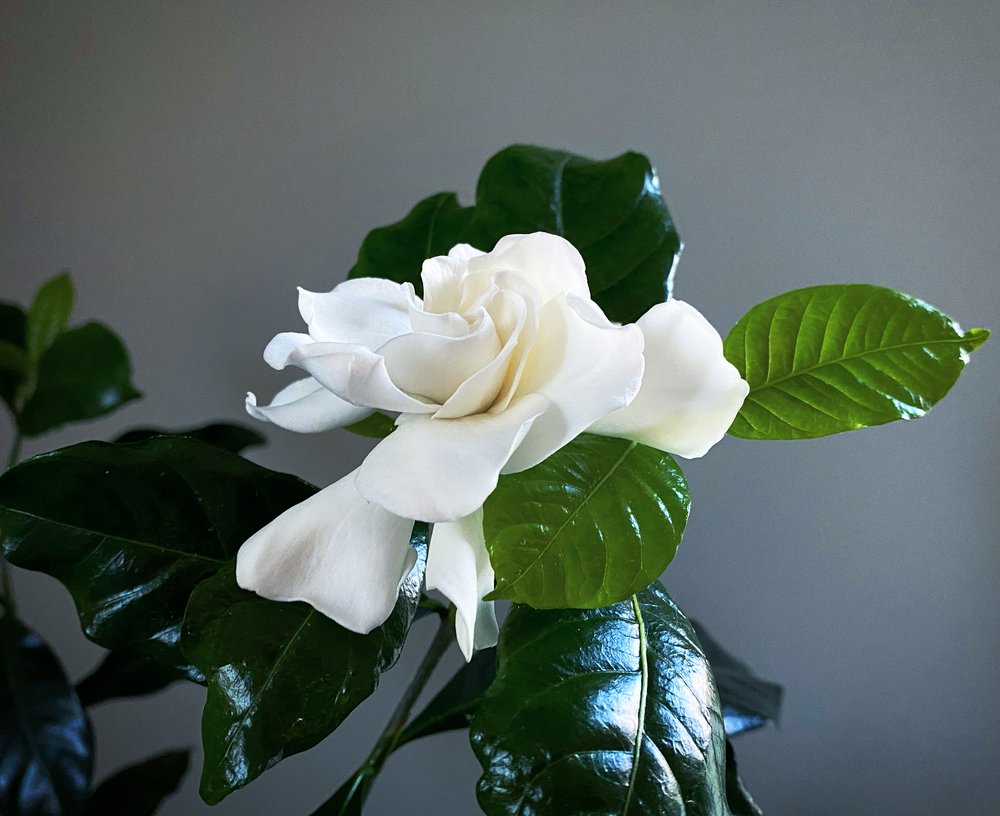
{"x": 504, "y": 360}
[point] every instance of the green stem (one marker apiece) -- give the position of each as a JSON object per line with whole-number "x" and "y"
{"x": 6, "y": 586}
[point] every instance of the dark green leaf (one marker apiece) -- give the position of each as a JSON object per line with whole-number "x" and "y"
{"x": 127, "y": 672}
{"x": 596, "y": 522}
{"x": 140, "y": 789}
{"x": 612, "y": 211}
{"x": 738, "y": 797}
{"x": 281, "y": 676}
{"x": 836, "y": 358}
{"x": 455, "y": 705}
{"x": 747, "y": 701}
{"x": 85, "y": 374}
{"x": 13, "y": 361}
{"x": 46, "y": 755}
{"x": 136, "y": 527}
{"x": 12, "y": 331}
{"x": 49, "y": 314}
{"x": 376, "y": 426}
{"x": 226, "y": 435}
{"x": 349, "y": 798}
{"x": 605, "y": 711}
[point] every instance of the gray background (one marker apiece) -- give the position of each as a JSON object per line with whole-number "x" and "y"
{"x": 193, "y": 162}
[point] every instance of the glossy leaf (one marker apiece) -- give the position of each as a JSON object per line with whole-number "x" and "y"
{"x": 85, "y": 374}
{"x": 226, "y": 435}
{"x": 747, "y": 701}
{"x": 48, "y": 315}
{"x": 596, "y": 522}
{"x": 140, "y": 789}
{"x": 281, "y": 676}
{"x": 612, "y": 211}
{"x": 836, "y": 358}
{"x": 376, "y": 426}
{"x": 136, "y": 527}
{"x": 46, "y": 755}
{"x": 457, "y": 703}
{"x": 740, "y": 801}
{"x": 12, "y": 335}
{"x": 127, "y": 672}
{"x": 605, "y": 711}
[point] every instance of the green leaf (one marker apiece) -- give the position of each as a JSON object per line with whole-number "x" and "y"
{"x": 281, "y": 676}
{"x": 128, "y": 672}
{"x": 349, "y": 797}
{"x": 737, "y": 796}
{"x": 376, "y": 426}
{"x": 596, "y": 522}
{"x": 612, "y": 211}
{"x": 747, "y": 701}
{"x": 136, "y": 527}
{"x": 605, "y": 711}
{"x": 49, "y": 314}
{"x": 12, "y": 331}
{"x": 140, "y": 789}
{"x": 836, "y": 358}
{"x": 455, "y": 705}
{"x": 229, "y": 436}
{"x": 46, "y": 753}
{"x": 13, "y": 361}
{"x": 85, "y": 374}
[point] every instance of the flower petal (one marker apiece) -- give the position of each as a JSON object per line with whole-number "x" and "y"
{"x": 443, "y": 469}
{"x": 367, "y": 311}
{"x": 585, "y": 365}
{"x": 306, "y": 406}
{"x": 458, "y": 565}
{"x": 549, "y": 262}
{"x": 690, "y": 393}
{"x": 343, "y": 555}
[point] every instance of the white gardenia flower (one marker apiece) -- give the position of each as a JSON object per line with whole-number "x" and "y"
{"x": 504, "y": 361}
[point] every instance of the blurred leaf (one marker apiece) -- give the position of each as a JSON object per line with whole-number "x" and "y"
{"x": 836, "y": 358}
{"x": 140, "y": 789}
{"x": 376, "y": 426}
{"x": 612, "y": 211}
{"x": 12, "y": 330}
{"x": 46, "y": 755}
{"x": 747, "y": 701}
{"x": 13, "y": 361}
{"x": 229, "y": 436}
{"x": 738, "y": 797}
{"x": 127, "y": 672}
{"x": 601, "y": 711}
{"x": 281, "y": 676}
{"x": 136, "y": 527}
{"x": 48, "y": 315}
{"x": 85, "y": 374}
{"x": 596, "y": 522}
{"x": 455, "y": 705}
{"x": 349, "y": 798}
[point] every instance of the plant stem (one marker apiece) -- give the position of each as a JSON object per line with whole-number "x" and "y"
{"x": 6, "y": 587}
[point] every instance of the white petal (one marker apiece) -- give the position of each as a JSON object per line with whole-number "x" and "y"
{"x": 458, "y": 565}
{"x": 337, "y": 552}
{"x": 464, "y": 252}
{"x": 443, "y": 469}
{"x": 306, "y": 406}
{"x": 550, "y": 263}
{"x": 353, "y": 372}
{"x": 585, "y": 365}
{"x": 442, "y": 281}
{"x": 367, "y": 311}
{"x": 690, "y": 393}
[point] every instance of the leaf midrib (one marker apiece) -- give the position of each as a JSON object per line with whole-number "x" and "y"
{"x": 640, "y": 730}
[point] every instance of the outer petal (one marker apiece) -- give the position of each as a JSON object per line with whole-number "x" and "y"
{"x": 459, "y": 566}
{"x": 690, "y": 393}
{"x": 369, "y": 311}
{"x": 585, "y": 365}
{"x": 551, "y": 263}
{"x": 443, "y": 469}
{"x": 306, "y": 406}
{"x": 337, "y": 552}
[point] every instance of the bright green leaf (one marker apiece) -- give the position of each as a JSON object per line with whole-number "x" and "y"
{"x": 612, "y": 211}
{"x": 605, "y": 711}
{"x": 836, "y": 358}
{"x": 229, "y": 436}
{"x": 12, "y": 330}
{"x": 281, "y": 676}
{"x": 49, "y": 313}
{"x": 46, "y": 751}
{"x": 136, "y": 527}
{"x": 596, "y": 522}
{"x": 85, "y": 374}
{"x": 140, "y": 789}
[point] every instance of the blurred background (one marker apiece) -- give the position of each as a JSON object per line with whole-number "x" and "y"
{"x": 192, "y": 163}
